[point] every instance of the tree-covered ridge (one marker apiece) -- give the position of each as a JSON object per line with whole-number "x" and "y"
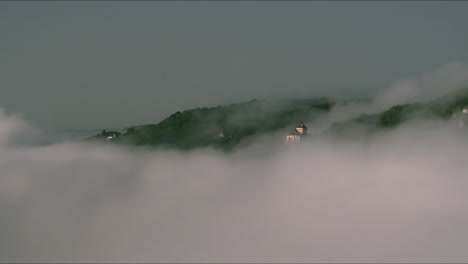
{"x": 105, "y": 134}
{"x": 225, "y": 126}
{"x": 438, "y": 109}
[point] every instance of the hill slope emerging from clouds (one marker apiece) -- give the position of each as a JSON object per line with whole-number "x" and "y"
{"x": 224, "y": 127}
{"x": 230, "y": 126}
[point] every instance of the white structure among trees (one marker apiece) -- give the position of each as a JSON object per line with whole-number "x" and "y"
{"x": 295, "y": 136}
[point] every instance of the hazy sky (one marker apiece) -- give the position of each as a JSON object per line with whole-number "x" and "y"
{"x": 104, "y": 64}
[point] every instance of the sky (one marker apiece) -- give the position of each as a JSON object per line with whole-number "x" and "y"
{"x": 88, "y": 64}
{"x": 397, "y": 196}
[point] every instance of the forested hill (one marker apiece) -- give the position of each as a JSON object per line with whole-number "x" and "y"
{"x": 224, "y": 126}
{"x": 443, "y": 108}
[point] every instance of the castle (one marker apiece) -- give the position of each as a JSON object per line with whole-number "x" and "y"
{"x": 299, "y": 132}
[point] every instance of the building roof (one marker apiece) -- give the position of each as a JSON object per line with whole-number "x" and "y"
{"x": 294, "y": 133}
{"x": 302, "y": 125}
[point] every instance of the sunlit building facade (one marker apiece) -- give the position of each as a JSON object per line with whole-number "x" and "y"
{"x": 299, "y": 132}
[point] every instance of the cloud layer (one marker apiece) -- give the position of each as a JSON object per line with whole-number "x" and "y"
{"x": 398, "y": 197}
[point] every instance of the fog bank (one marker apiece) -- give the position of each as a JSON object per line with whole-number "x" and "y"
{"x": 397, "y": 196}
{"x": 401, "y": 197}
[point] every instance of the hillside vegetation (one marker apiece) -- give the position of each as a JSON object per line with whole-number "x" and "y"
{"x": 438, "y": 109}
{"x": 226, "y": 127}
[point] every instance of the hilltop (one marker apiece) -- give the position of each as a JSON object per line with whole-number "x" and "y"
{"x": 230, "y": 126}
{"x": 226, "y": 126}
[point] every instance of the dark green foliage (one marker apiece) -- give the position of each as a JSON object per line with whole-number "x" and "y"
{"x": 226, "y": 127}
{"x": 369, "y": 123}
{"x": 447, "y": 105}
{"x": 395, "y": 115}
{"x": 238, "y": 123}
{"x": 441, "y": 108}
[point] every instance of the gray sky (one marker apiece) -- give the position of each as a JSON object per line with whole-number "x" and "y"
{"x": 104, "y": 64}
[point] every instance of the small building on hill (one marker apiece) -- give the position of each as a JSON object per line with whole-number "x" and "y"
{"x": 299, "y": 132}
{"x": 461, "y": 116}
{"x": 108, "y": 135}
